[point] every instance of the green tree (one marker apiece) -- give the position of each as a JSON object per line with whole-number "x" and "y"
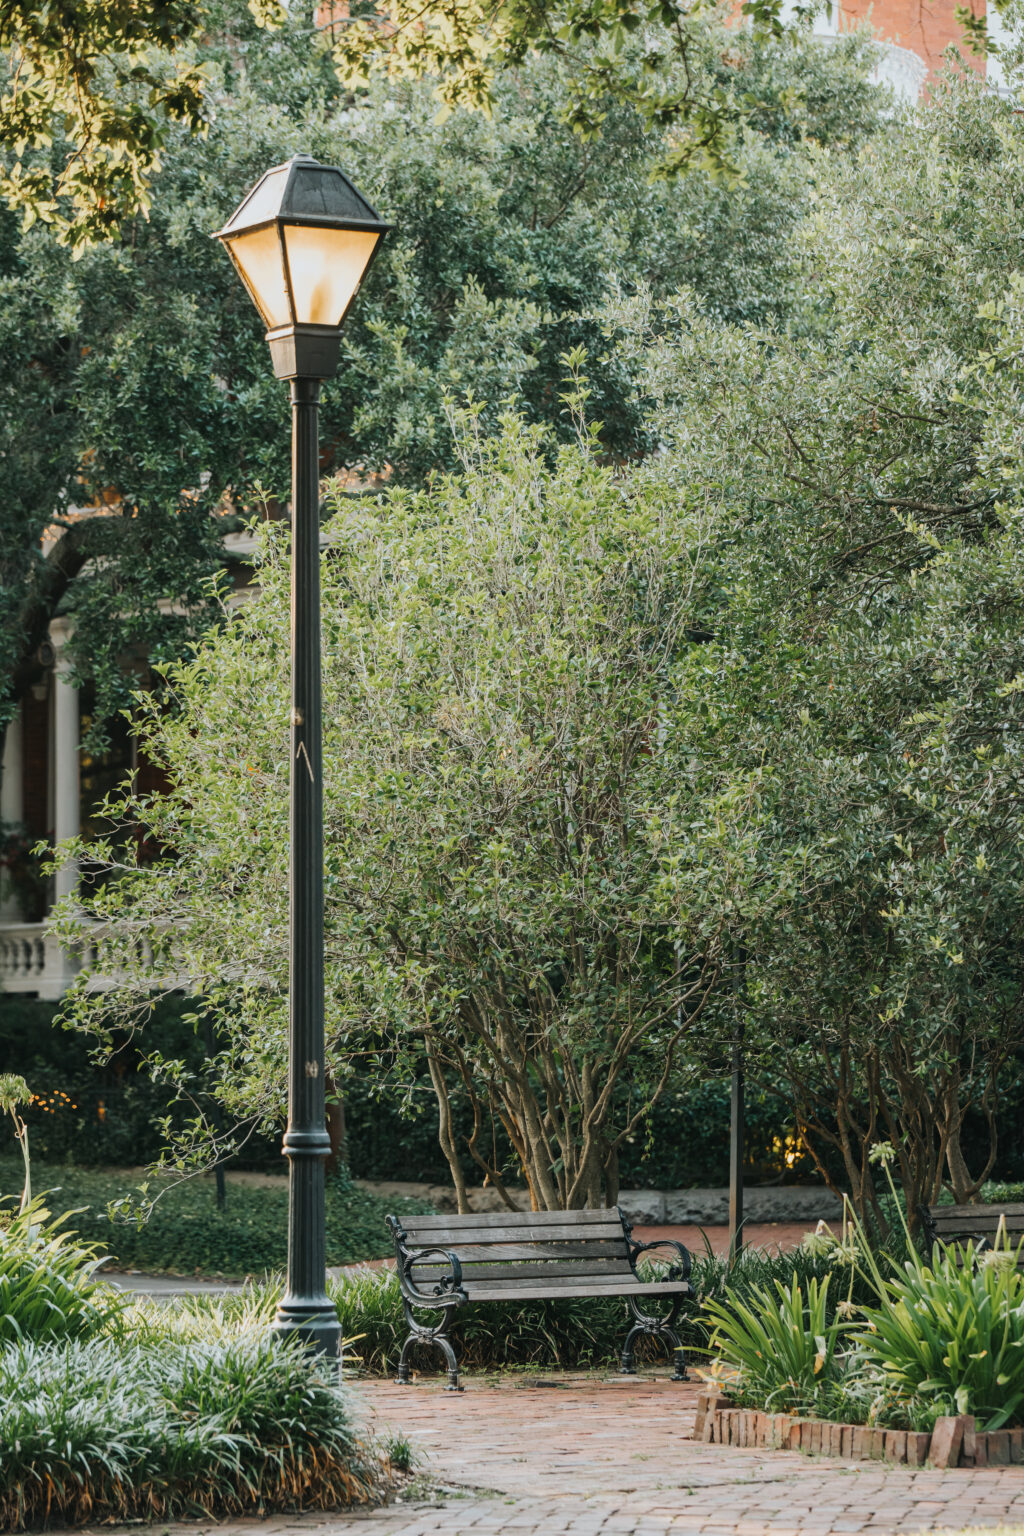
{"x": 660, "y": 59}
{"x": 507, "y": 681}
{"x": 140, "y": 370}
{"x": 865, "y": 615}
{"x": 614, "y": 934}
{"x": 87, "y": 93}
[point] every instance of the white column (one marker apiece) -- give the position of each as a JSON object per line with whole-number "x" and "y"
{"x": 1002, "y": 34}
{"x": 12, "y": 806}
{"x": 11, "y": 800}
{"x": 66, "y": 793}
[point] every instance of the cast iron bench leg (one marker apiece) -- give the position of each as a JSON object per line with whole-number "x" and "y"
{"x": 657, "y": 1327}
{"x": 420, "y": 1334}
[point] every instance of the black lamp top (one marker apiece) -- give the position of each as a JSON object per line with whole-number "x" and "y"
{"x": 302, "y": 191}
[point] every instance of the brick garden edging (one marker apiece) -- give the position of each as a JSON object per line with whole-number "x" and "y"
{"x": 954, "y": 1442}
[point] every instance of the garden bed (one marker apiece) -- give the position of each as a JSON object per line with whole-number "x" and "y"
{"x": 954, "y": 1442}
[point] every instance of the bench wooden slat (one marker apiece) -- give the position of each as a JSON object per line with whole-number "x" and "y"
{"x": 976, "y": 1228}
{"x": 455, "y": 1237}
{"x": 540, "y": 1270}
{"x": 977, "y": 1215}
{"x": 523, "y": 1291}
{"x": 1014, "y": 1208}
{"x": 569, "y": 1252}
{"x": 514, "y": 1219}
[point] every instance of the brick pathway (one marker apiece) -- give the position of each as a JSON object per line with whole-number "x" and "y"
{"x": 585, "y": 1456}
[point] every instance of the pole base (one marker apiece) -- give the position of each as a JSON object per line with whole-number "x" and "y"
{"x": 314, "y": 1325}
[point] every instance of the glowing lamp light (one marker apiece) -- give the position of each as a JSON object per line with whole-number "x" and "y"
{"x": 302, "y": 241}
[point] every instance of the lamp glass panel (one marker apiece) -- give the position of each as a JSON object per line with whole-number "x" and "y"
{"x": 326, "y": 268}
{"x": 263, "y": 201}
{"x": 258, "y": 254}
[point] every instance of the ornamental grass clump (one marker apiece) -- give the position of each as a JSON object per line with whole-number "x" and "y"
{"x": 785, "y": 1350}
{"x": 950, "y": 1329}
{"x": 105, "y": 1431}
{"x": 48, "y": 1285}
{"x": 914, "y": 1338}
{"x": 954, "y": 1330}
{"x": 566, "y": 1334}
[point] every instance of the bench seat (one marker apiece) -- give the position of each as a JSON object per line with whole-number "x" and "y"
{"x": 445, "y": 1262}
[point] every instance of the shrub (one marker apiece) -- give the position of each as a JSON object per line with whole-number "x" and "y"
{"x": 48, "y": 1285}
{"x": 954, "y": 1330}
{"x": 103, "y": 1431}
{"x": 570, "y": 1334}
{"x": 950, "y": 1331}
{"x": 785, "y": 1347}
{"x": 1002, "y": 1194}
{"x": 486, "y": 1337}
{"x": 931, "y": 1338}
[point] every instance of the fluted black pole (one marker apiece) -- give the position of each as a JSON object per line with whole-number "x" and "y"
{"x": 305, "y": 1309}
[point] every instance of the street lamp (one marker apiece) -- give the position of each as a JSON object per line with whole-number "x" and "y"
{"x": 302, "y": 241}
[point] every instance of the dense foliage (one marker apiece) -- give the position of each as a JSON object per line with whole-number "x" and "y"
{"x": 493, "y": 775}
{"x": 626, "y": 759}
{"x": 138, "y": 413}
{"x": 864, "y": 605}
{"x": 937, "y": 1335}
{"x": 89, "y": 92}
{"x": 160, "y": 1226}
{"x": 48, "y": 1285}
{"x": 101, "y": 81}
{"x": 124, "y": 1430}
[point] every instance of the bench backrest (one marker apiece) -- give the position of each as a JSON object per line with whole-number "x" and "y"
{"x": 520, "y": 1244}
{"x": 964, "y": 1223}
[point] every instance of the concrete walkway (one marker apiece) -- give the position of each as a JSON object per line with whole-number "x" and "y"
{"x": 566, "y": 1455}
{"x": 165, "y": 1287}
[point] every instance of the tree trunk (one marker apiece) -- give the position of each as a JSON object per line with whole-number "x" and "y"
{"x": 335, "y": 1126}
{"x": 446, "y": 1131}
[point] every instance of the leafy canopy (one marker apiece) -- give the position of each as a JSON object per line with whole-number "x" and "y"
{"x": 138, "y": 414}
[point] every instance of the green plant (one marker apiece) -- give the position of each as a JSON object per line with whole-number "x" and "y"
{"x": 14, "y": 1091}
{"x": 400, "y": 1453}
{"x": 784, "y": 1347}
{"x": 995, "y": 1193}
{"x": 562, "y": 1333}
{"x": 48, "y": 1284}
{"x": 954, "y": 1329}
{"x": 862, "y": 1394}
{"x": 951, "y": 1328}
{"x": 113, "y": 1431}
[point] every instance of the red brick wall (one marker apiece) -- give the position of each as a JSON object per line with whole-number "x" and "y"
{"x": 926, "y": 27}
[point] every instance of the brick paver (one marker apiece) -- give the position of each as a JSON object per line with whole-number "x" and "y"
{"x": 585, "y": 1456}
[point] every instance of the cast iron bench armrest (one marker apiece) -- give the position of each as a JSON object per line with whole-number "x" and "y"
{"x": 448, "y": 1291}
{"x": 677, "y": 1271}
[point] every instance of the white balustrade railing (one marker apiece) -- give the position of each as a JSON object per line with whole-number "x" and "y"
{"x": 32, "y": 961}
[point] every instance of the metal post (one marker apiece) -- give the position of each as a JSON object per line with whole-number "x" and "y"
{"x": 736, "y": 1151}
{"x": 305, "y": 1308}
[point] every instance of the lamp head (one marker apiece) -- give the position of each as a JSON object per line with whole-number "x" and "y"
{"x": 302, "y": 241}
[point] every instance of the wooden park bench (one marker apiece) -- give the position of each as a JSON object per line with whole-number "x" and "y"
{"x": 446, "y": 1261}
{"x": 977, "y": 1224}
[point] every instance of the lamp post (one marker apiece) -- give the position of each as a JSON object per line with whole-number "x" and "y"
{"x": 302, "y": 241}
